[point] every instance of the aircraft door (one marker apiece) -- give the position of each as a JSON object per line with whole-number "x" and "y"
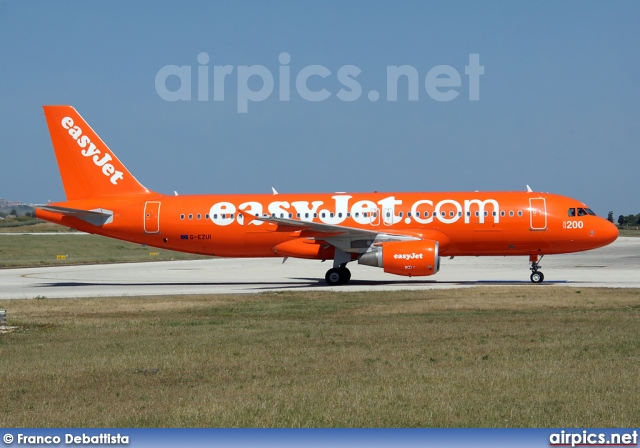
{"x": 538, "y": 214}
{"x": 152, "y": 217}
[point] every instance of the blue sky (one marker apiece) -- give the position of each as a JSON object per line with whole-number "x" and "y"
{"x": 558, "y": 107}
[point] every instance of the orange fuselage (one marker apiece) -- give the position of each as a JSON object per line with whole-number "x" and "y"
{"x": 496, "y": 223}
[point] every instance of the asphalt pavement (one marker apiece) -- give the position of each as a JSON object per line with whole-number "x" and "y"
{"x": 616, "y": 266}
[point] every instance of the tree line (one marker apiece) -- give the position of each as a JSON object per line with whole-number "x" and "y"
{"x": 629, "y": 220}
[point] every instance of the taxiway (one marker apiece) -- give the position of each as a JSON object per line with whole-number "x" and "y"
{"x": 617, "y": 265}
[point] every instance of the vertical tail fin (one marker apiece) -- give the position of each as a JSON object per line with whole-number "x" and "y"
{"x": 87, "y": 166}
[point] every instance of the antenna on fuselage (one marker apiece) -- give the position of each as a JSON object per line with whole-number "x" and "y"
{"x": 274, "y": 191}
{"x": 529, "y": 190}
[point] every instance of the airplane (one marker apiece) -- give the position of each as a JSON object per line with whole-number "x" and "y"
{"x": 403, "y": 233}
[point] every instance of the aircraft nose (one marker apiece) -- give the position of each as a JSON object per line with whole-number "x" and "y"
{"x": 606, "y": 232}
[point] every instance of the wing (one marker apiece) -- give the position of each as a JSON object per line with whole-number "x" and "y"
{"x": 348, "y": 239}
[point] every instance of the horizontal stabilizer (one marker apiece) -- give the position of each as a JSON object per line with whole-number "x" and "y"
{"x": 97, "y": 217}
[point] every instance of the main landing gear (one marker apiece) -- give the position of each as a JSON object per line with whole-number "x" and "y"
{"x": 536, "y": 276}
{"x": 338, "y": 276}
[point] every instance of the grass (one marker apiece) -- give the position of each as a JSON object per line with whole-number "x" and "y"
{"x": 633, "y": 232}
{"x": 22, "y": 225}
{"x": 482, "y": 357}
{"x": 43, "y": 250}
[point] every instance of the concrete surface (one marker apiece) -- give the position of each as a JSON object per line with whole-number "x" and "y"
{"x": 617, "y": 265}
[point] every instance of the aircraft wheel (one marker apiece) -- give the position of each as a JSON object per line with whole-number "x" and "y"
{"x": 537, "y": 277}
{"x": 334, "y": 277}
{"x": 345, "y": 273}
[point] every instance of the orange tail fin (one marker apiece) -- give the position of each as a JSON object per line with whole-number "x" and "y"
{"x": 87, "y": 166}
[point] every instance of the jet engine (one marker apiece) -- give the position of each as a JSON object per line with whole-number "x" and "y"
{"x": 410, "y": 258}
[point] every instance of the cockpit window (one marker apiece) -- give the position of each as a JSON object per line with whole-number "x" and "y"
{"x": 572, "y": 212}
{"x": 589, "y": 211}
{"x": 582, "y": 212}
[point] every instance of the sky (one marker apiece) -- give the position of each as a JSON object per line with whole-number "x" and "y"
{"x": 238, "y": 97}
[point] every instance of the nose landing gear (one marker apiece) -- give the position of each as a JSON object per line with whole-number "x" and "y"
{"x": 536, "y": 275}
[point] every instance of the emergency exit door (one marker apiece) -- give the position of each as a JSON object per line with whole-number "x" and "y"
{"x": 152, "y": 217}
{"x": 538, "y": 213}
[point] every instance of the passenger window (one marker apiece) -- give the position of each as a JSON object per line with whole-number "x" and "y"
{"x": 357, "y": 214}
{"x": 572, "y": 212}
{"x": 511, "y": 213}
{"x": 297, "y": 215}
{"x": 181, "y": 216}
{"x": 198, "y": 216}
{"x": 340, "y": 215}
{"x": 451, "y": 214}
{"x": 477, "y": 213}
{"x": 519, "y": 212}
{"x": 290, "y": 215}
{"x": 306, "y": 215}
{"x": 502, "y": 213}
{"x": 331, "y": 215}
{"x": 206, "y": 216}
{"x": 190, "y": 216}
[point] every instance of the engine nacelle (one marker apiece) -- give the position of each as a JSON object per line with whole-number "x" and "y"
{"x": 410, "y": 258}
